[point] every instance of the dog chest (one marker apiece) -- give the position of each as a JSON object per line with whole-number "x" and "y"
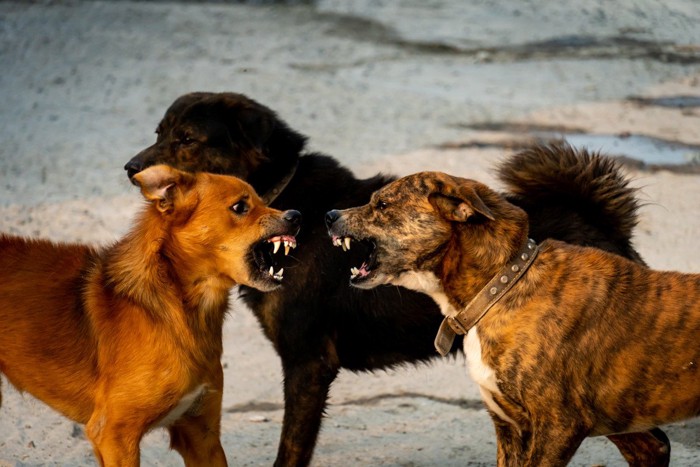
{"x": 188, "y": 403}
{"x": 483, "y": 375}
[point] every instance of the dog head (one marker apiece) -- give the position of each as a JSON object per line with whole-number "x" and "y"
{"x": 216, "y": 227}
{"x": 223, "y": 133}
{"x": 422, "y": 225}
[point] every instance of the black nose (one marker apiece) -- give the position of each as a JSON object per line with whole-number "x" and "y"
{"x": 292, "y": 216}
{"x": 331, "y": 217}
{"x": 133, "y": 167}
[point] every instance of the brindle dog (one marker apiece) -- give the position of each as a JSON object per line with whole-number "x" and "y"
{"x": 584, "y": 343}
{"x": 318, "y": 324}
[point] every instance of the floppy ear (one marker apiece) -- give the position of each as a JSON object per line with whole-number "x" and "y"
{"x": 255, "y": 125}
{"x": 458, "y": 202}
{"x": 161, "y": 183}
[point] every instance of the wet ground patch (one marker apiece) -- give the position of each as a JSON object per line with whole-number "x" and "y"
{"x": 561, "y": 47}
{"x": 639, "y": 151}
{"x": 673, "y": 102}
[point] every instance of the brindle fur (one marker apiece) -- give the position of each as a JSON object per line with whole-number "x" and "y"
{"x": 586, "y": 343}
{"x": 318, "y": 324}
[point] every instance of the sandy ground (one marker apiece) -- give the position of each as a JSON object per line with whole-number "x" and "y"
{"x": 383, "y": 88}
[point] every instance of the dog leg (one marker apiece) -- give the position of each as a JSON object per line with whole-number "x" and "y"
{"x": 115, "y": 444}
{"x": 306, "y": 388}
{"x": 197, "y": 434}
{"x": 552, "y": 444}
{"x": 198, "y": 437}
{"x": 510, "y": 444}
{"x": 648, "y": 449}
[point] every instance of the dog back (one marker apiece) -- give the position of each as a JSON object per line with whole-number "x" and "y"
{"x": 43, "y": 319}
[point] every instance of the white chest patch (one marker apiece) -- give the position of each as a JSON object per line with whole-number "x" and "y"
{"x": 429, "y": 284}
{"x": 483, "y": 375}
{"x": 183, "y": 406}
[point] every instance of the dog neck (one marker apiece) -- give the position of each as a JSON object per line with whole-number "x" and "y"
{"x": 143, "y": 268}
{"x": 272, "y": 193}
{"x": 476, "y": 253}
{"x": 428, "y": 283}
{"x": 466, "y": 318}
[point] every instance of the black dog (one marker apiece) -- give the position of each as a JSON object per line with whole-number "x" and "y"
{"x": 318, "y": 323}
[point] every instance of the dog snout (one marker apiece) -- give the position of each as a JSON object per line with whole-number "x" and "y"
{"x": 133, "y": 167}
{"x": 292, "y": 217}
{"x": 331, "y": 217}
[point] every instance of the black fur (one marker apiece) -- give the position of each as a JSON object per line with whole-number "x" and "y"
{"x": 317, "y": 322}
{"x": 575, "y": 195}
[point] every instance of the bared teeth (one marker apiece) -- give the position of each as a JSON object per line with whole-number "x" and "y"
{"x": 354, "y": 272}
{"x": 289, "y": 244}
{"x": 342, "y": 242}
{"x": 276, "y": 275}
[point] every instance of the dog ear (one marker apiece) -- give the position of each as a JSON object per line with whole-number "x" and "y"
{"x": 259, "y": 136}
{"x": 255, "y": 125}
{"x": 161, "y": 183}
{"x": 459, "y": 202}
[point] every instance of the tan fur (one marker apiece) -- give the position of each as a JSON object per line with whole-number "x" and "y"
{"x": 127, "y": 337}
{"x": 587, "y": 343}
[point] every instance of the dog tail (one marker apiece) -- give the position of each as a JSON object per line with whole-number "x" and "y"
{"x": 574, "y": 196}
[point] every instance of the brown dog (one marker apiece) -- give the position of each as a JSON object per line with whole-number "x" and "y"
{"x": 128, "y": 338}
{"x": 565, "y": 342}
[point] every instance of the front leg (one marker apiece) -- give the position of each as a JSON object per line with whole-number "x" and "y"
{"x": 553, "y": 444}
{"x": 306, "y": 386}
{"x": 197, "y": 434}
{"x": 647, "y": 449}
{"x": 114, "y": 441}
{"x": 510, "y": 443}
{"x": 198, "y": 437}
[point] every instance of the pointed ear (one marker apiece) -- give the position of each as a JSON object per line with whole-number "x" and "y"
{"x": 458, "y": 202}
{"x": 161, "y": 184}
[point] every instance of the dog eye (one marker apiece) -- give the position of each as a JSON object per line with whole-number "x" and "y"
{"x": 381, "y": 205}
{"x": 240, "y": 208}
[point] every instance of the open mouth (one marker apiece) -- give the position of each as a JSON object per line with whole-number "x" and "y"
{"x": 271, "y": 255}
{"x": 364, "y": 256}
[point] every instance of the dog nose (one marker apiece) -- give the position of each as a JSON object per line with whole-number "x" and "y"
{"x": 331, "y": 217}
{"x": 133, "y": 167}
{"x": 292, "y": 216}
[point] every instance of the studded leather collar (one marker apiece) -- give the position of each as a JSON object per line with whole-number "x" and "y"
{"x": 276, "y": 190}
{"x": 497, "y": 287}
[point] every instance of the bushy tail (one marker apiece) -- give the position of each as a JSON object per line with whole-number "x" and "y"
{"x": 573, "y": 195}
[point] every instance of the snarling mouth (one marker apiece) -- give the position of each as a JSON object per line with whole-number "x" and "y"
{"x": 364, "y": 255}
{"x": 269, "y": 258}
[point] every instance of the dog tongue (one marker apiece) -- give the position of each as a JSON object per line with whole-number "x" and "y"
{"x": 363, "y": 270}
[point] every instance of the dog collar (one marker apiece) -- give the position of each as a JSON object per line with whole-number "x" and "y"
{"x": 276, "y": 190}
{"x": 487, "y": 297}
